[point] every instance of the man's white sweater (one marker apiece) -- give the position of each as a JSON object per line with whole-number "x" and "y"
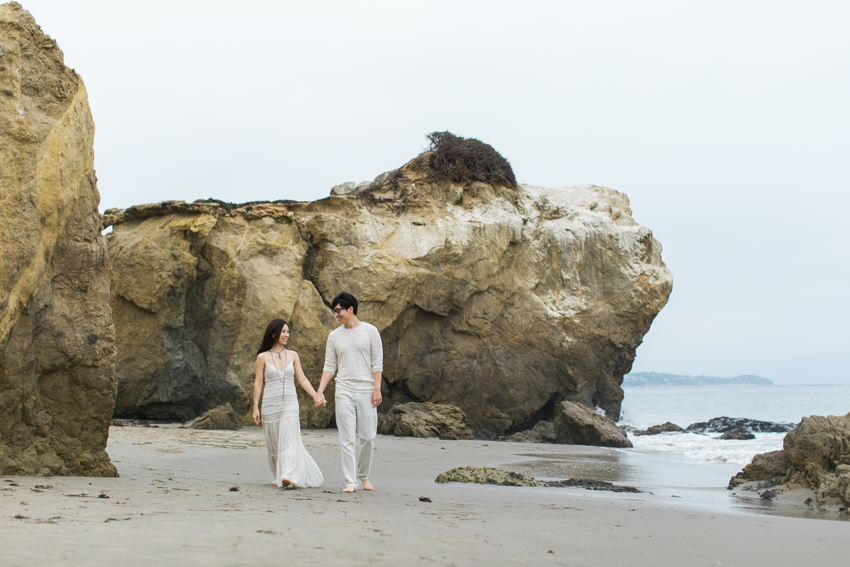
{"x": 355, "y": 355}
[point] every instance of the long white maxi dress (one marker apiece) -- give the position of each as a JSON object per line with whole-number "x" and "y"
{"x": 288, "y": 459}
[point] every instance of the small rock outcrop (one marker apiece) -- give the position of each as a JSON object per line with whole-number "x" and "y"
{"x": 764, "y": 466}
{"x": 491, "y": 475}
{"x": 542, "y": 432}
{"x": 498, "y": 298}
{"x": 576, "y": 424}
{"x": 222, "y": 417}
{"x": 424, "y": 420}
{"x": 488, "y": 475}
{"x": 57, "y": 353}
{"x": 668, "y": 427}
{"x": 815, "y": 455}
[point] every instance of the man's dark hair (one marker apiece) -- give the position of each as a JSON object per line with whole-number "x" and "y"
{"x": 344, "y": 300}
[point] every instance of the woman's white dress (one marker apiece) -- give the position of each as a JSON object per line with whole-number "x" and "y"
{"x": 287, "y": 456}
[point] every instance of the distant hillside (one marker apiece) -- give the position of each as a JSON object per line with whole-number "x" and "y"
{"x": 659, "y": 379}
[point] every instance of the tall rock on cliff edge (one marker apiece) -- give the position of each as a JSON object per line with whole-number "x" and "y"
{"x": 498, "y": 298}
{"x": 57, "y": 353}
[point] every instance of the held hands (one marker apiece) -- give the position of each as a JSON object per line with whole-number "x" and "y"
{"x": 319, "y": 400}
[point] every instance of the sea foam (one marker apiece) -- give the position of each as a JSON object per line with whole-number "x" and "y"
{"x": 706, "y": 447}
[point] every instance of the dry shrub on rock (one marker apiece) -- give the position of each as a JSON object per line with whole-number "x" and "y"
{"x": 463, "y": 160}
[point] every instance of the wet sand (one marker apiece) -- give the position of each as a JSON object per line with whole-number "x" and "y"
{"x": 173, "y": 505}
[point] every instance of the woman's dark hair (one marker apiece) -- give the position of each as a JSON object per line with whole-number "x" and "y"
{"x": 344, "y": 301}
{"x": 272, "y": 333}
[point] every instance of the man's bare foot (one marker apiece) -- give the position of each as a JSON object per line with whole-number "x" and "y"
{"x": 366, "y": 484}
{"x": 350, "y": 488}
{"x": 285, "y": 482}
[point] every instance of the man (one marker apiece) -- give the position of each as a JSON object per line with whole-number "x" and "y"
{"x": 355, "y": 354}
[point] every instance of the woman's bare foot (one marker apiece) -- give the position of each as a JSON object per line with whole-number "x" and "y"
{"x": 350, "y": 488}
{"x": 366, "y": 484}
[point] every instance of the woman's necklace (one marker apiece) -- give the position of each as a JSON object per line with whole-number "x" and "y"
{"x": 277, "y": 352}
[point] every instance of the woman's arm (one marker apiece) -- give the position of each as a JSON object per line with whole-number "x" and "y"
{"x": 296, "y": 363}
{"x": 259, "y": 367}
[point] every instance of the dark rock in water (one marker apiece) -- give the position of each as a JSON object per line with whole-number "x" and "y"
{"x": 724, "y": 424}
{"x": 490, "y": 475}
{"x": 222, "y": 417}
{"x": 663, "y": 428}
{"x": 576, "y": 424}
{"x": 424, "y": 420}
{"x": 738, "y": 434}
{"x": 542, "y": 432}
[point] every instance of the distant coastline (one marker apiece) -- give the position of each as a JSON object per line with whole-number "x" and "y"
{"x": 639, "y": 379}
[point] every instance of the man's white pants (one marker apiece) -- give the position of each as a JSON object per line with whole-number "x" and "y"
{"x": 357, "y": 422}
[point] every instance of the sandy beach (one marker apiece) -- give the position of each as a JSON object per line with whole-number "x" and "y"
{"x": 173, "y": 505}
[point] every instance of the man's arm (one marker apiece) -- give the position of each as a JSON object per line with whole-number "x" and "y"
{"x": 319, "y": 398}
{"x": 328, "y": 371}
{"x": 376, "y": 393}
{"x": 377, "y": 365}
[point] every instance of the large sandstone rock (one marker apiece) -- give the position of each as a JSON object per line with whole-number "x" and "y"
{"x": 424, "y": 420}
{"x": 501, "y": 300}
{"x": 576, "y": 424}
{"x": 816, "y": 455}
{"x": 57, "y": 354}
{"x": 818, "y": 452}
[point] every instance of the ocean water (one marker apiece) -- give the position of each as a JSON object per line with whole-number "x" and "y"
{"x": 684, "y": 405}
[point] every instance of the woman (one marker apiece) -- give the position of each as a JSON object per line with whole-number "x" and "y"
{"x": 275, "y": 369}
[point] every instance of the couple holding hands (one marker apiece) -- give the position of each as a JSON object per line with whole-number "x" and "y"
{"x": 354, "y": 353}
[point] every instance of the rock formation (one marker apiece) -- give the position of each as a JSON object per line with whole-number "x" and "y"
{"x": 542, "y": 432}
{"x": 222, "y": 417}
{"x": 816, "y": 455}
{"x": 764, "y": 466}
{"x": 57, "y": 354}
{"x": 576, "y": 424}
{"x": 501, "y": 299}
{"x": 424, "y": 420}
{"x": 490, "y": 475}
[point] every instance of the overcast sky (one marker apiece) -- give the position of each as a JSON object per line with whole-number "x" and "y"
{"x": 726, "y": 123}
